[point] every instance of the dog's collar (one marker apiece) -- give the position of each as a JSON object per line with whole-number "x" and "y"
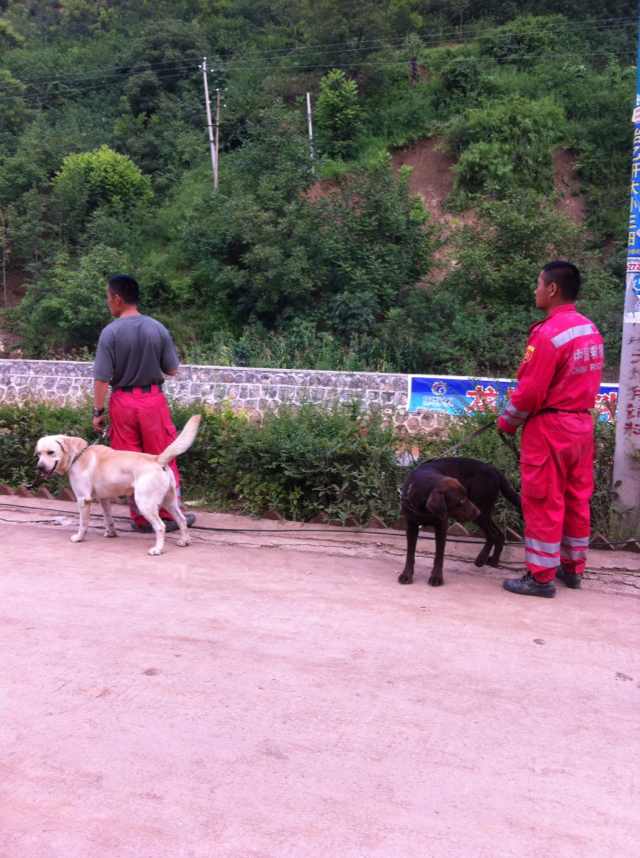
{"x": 77, "y": 456}
{"x": 101, "y": 437}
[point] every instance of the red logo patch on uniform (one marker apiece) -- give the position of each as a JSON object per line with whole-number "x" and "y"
{"x": 528, "y": 354}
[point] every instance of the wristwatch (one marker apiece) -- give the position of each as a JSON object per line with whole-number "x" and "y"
{"x": 98, "y": 412}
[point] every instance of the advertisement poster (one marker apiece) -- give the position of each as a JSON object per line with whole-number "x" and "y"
{"x": 452, "y": 394}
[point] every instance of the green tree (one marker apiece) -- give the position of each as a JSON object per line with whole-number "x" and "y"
{"x": 9, "y": 38}
{"x": 14, "y": 111}
{"x": 338, "y": 113}
{"x": 91, "y": 179}
{"x": 66, "y": 307}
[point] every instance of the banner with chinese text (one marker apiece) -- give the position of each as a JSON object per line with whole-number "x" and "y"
{"x": 452, "y": 394}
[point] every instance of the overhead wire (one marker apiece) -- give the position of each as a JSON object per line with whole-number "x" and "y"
{"x": 176, "y": 68}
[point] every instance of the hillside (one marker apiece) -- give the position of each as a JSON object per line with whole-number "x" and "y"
{"x": 457, "y": 148}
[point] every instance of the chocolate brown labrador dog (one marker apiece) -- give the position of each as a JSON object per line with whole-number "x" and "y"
{"x": 463, "y": 489}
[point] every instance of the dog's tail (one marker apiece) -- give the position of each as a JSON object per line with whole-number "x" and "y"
{"x": 182, "y": 443}
{"x": 510, "y": 493}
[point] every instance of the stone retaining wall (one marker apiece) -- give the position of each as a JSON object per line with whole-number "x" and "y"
{"x": 255, "y": 391}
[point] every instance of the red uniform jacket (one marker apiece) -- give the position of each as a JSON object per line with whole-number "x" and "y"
{"x": 561, "y": 369}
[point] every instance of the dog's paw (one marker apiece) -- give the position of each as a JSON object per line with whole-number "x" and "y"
{"x": 154, "y": 552}
{"x": 436, "y": 581}
{"x": 405, "y": 579}
{"x": 109, "y": 534}
{"x": 77, "y": 537}
{"x": 184, "y": 542}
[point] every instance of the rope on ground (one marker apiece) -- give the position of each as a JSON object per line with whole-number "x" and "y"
{"x": 362, "y": 531}
{"x": 329, "y": 538}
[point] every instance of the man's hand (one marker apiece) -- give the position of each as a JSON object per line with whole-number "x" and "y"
{"x": 100, "y": 389}
{"x": 505, "y": 428}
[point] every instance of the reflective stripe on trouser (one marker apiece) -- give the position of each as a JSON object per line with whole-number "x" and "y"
{"x": 141, "y": 422}
{"x": 557, "y": 483}
{"x": 541, "y": 556}
{"x": 573, "y": 552}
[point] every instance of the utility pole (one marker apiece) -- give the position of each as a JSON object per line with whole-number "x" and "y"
{"x": 215, "y": 172}
{"x": 6, "y": 250}
{"x": 212, "y": 146}
{"x": 310, "y": 125}
{"x": 626, "y": 466}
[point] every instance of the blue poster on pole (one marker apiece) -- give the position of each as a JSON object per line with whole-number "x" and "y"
{"x": 458, "y": 395}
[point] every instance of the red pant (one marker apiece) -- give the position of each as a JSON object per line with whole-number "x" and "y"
{"x": 141, "y": 422}
{"x": 556, "y": 466}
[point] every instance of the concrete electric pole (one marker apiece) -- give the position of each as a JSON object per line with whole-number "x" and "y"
{"x": 212, "y": 145}
{"x": 626, "y": 468}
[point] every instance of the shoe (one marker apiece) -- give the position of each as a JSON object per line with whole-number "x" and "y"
{"x": 170, "y": 525}
{"x": 528, "y": 586}
{"x": 571, "y": 579}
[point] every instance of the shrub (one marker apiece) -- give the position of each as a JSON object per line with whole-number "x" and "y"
{"x": 66, "y": 308}
{"x": 21, "y": 427}
{"x": 525, "y": 40}
{"x": 91, "y": 179}
{"x": 300, "y": 463}
{"x": 517, "y": 134}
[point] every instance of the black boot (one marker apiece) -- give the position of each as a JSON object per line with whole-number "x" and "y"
{"x": 573, "y": 581}
{"x": 169, "y": 523}
{"x": 528, "y": 586}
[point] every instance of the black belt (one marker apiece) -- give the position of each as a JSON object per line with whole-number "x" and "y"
{"x": 145, "y": 388}
{"x": 561, "y": 411}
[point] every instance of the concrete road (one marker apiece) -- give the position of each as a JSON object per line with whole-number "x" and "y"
{"x": 266, "y": 700}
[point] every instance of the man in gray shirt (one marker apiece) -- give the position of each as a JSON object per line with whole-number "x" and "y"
{"x": 134, "y": 354}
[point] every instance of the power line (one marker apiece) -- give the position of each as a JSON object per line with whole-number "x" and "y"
{"x": 190, "y": 73}
{"x": 97, "y": 85}
{"x": 610, "y": 24}
{"x": 184, "y": 70}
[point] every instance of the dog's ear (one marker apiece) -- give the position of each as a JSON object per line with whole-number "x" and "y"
{"x": 449, "y": 483}
{"x": 446, "y": 487}
{"x": 67, "y": 447}
{"x": 436, "y": 503}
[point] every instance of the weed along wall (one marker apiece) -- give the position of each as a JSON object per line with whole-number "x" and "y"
{"x": 254, "y": 391}
{"x": 300, "y": 463}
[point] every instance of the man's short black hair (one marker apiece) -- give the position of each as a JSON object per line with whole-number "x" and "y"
{"x": 566, "y": 275}
{"x": 126, "y": 287}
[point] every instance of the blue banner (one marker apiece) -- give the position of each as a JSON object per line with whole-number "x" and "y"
{"x": 457, "y": 395}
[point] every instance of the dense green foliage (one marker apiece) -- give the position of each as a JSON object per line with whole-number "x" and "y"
{"x": 104, "y": 166}
{"x": 341, "y": 464}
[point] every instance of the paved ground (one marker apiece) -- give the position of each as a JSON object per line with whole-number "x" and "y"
{"x": 283, "y": 698}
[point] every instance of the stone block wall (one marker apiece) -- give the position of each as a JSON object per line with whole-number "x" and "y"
{"x": 255, "y": 391}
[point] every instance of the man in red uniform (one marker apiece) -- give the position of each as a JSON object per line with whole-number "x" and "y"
{"x": 134, "y": 354}
{"x": 557, "y": 385}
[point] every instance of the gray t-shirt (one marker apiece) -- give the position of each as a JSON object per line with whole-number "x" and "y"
{"x": 134, "y": 351}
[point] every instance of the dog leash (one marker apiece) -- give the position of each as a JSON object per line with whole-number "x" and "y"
{"x": 464, "y": 441}
{"x": 509, "y": 442}
{"x": 451, "y": 451}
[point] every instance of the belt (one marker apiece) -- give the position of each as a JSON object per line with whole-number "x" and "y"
{"x": 561, "y": 411}
{"x": 143, "y": 388}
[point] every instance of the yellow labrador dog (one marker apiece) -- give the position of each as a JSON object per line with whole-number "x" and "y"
{"x": 100, "y": 473}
